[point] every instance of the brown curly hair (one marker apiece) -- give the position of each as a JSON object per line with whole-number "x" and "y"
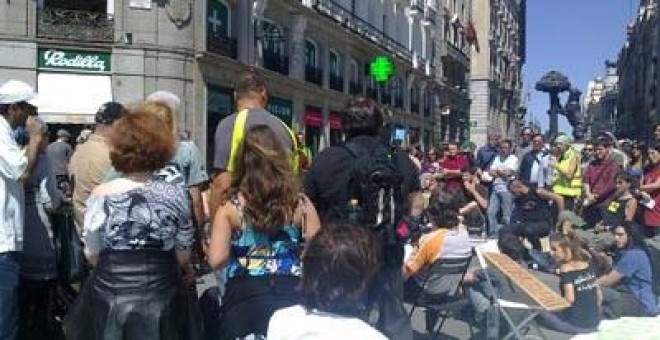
{"x": 265, "y": 179}
{"x": 140, "y": 142}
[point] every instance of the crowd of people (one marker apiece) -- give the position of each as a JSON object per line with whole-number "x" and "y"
{"x": 325, "y": 248}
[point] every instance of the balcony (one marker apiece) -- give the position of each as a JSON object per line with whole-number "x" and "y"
{"x": 386, "y": 98}
{"x": 354, "y": 88}
{"x": 359, "y": 26}
{"x": 429, "y": 17}
{"x": 372, "y": 93}
{"x": 221, "y": 45}
{"x": 275, "y": 61}
{"x": 314, "y": 75}
{"x": 416, "y": 7}
{"x": 65, "y": 24}
{"x": 398, "y": 102}
{"x": 414, "y": 107}
{"x": 337, "y": 83}
{"x": 427, "y": 110}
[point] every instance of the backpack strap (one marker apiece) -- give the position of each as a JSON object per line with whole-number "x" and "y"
{"x": 238, "y": 134}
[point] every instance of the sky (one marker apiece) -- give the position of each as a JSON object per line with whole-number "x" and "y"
{"x": 574, "y": 37}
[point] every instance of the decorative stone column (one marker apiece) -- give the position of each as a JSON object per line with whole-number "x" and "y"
{"x": 297, "y": 40}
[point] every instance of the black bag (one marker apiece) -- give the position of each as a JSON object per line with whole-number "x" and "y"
{"x": 68, "y": 248}
{"x": 376, "y": 184}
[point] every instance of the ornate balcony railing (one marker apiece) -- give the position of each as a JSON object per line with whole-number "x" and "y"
{"x": 314, "y": 75}
{"x": 414, "y": 107}
{"x": 276, "y": 62}
{"x": 398, "y": 102}
{"x": 372, "y": 93}
{"x": 337, "y": 83}
{"x": 354, "y": 88}
{"x": 221, "y": 45}
{"x": 361, "y": 27}
{"x": 55, "y": 23}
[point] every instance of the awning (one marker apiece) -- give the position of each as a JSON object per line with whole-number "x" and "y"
{"x": 335, "y": 121}
{"x": 313, "y": 117}
{"x": 72, "y": 98}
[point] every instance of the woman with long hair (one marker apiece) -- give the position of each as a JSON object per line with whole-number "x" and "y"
{"x": 138, "y": 234}
{"x": 650, "y": 186}
{"x": 639, "y": 159}
{"x": 257, "y": 235}
{"x": 578, "y": 286}
{"x": 628, "y": 286}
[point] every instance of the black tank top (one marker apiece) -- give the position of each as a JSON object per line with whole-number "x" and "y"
{"x": 614, "y": 213}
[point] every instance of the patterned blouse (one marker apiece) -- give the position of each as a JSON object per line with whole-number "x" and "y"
{"x": 258, "y": 254}
{"x": 154, "y": 216}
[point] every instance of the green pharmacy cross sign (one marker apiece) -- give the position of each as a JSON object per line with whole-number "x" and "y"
{"x": 381, "y": 69}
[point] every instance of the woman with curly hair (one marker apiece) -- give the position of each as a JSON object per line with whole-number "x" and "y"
{"x": 257, "y": 233}
{"x": 138, "y": 232}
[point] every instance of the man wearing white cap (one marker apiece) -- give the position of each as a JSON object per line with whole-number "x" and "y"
{"x": 16, "y": 164}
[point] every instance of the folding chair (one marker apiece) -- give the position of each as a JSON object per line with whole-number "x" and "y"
{"x": 506, "y": 306}
{"x": 440, "y": 287}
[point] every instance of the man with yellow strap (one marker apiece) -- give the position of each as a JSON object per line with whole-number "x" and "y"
{"x": 567, "y": 172}
{"x": 251, "y": 97}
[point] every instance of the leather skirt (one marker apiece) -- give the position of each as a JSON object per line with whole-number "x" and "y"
{"x": 135, "y": 294}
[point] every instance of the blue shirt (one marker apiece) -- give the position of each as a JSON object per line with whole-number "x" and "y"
{"x": 635, "y": 267}
{"x": 486, "y": 155}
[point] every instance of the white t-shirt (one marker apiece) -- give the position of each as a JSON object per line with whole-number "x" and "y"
{"x": 296, "y": 322}
{"x": 510, "y": 163}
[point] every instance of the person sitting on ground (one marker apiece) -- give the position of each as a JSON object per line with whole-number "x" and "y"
{"x": 578, "y": 286}
{"x": 622, "y": 207}
{"x": 628, "y": 287}
{"x": 531, "y": 217}
{"x": 473, "y": 201}
{"x": 340, "y": 263}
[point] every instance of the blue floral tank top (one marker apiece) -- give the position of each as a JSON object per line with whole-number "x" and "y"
{"x": 257, "y": 254}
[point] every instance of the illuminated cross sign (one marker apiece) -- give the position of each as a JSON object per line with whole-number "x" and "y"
{"x": 381, "y": 69}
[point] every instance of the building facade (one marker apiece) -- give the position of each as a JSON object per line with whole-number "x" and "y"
{"x": 314, "y": 55}
{"x": 498, "y": 56}
{"x": 637, "y": 67}
{"x": 600, "y": 101}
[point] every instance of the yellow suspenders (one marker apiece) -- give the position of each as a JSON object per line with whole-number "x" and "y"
{"x": 238, "y": 134}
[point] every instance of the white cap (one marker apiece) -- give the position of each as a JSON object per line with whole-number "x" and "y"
{"x": 15, "y": 91}
{"x": 168, "y": 98}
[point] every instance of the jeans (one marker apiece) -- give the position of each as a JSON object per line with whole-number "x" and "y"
{"x": 559, "y": 323}
{"x": 499, "y": 201}
{"x": 9, "y": 278}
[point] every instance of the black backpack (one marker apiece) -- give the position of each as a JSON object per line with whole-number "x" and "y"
{"x": 376, "y": 183}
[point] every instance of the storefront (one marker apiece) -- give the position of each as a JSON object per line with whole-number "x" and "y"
{"x": 282, "y": 108}
{"x": 72, "y": 85}
{"x": 313, "y": 128}
{"x": 219, "y": 105}
{"x": 336, "y": 130}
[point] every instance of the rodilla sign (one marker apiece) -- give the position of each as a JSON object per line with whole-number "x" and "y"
{"x": 68, "y": 60}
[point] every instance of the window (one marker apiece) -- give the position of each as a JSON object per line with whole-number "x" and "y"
{"x": 273, "y": 38}
{"x": 353, "y": 71}
{"x": 310, "y": 53}
{"x": 335, "y": 64}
